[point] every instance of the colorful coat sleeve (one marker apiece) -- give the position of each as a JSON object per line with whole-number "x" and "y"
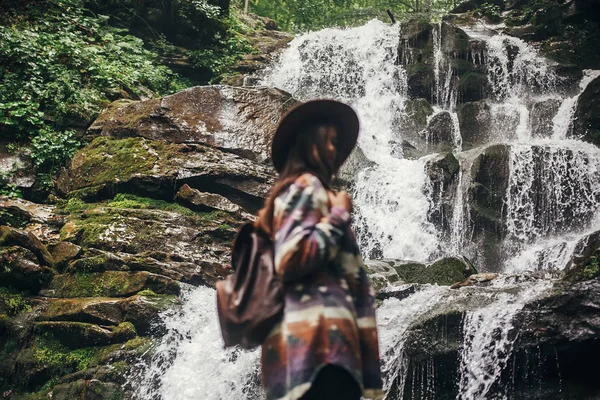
{"x": 308, "y": 233}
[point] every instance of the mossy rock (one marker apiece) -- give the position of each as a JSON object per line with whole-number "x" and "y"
{"x": 97, "y": 263}
{"x": 64, "y": 252}
{"x": 473, "y": 86}
{"x": 95, "y": 310}
{"x": 81, "y": 334}
{"x": 474, "y": 119}
{"x": 19, "y": 268}
{"x": 445, "y": 271}
{"x": 108, "y": 284}
{"x": 17, "y": 237}
{"x": 585, "y": 262}
{"x": 88, "y": 390}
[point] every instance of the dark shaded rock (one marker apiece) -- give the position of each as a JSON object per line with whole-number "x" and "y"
{"x": 439, "y": 133}
{"x": 443, "y": 172}
{"x": 108, "y": 284}
{"x": 156, "y": 168}
{"x": 445, "y": 271}
{"x": 81, "y": 334}
{"x": 587, "y": 115}
{"x": 489, "y": 183}
{"x": 541, "y": 117}
{"x": 474, "y": 120}
{"x": 396, "y": 292}
{"x": 585, "y": 261}
{"x": 21, "y": 269}
{"x": 473, "y": 86}
{"x": 144, "y": 313}
{"x": 87, "y": 390}
{"x": 236, "y": 119}
{"x": 202, "y": 201}
{"x": 356, "y": 162}
{"x": 17, "y": 237}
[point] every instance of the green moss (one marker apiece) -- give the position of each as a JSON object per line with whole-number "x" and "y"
{"x": 461, "y": 66}
{"x": 73, "y": 205}
{"x": 13, "y": 220}
{"x": 12, "y": 302}
{"x": 147, "y": 292}
{"x": 443, "y": 272}
{"x": 129, "y": 201}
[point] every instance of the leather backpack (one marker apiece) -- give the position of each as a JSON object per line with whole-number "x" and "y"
{"x": 250, "y": 301}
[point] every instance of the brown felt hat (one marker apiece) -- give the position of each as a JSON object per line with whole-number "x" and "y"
{"x": 333, "y": 111}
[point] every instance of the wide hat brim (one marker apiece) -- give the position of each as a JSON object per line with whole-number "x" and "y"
{"x": 342, "y": 115}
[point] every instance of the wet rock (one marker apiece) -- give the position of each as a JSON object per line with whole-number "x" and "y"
{"x": 489, "y": 183}
{"x": 202, "y": 201}
{"x": 87, "y": 390}
{"x": 21, "y": 269}
{"x": 445, "y": 271}
{"x": 541, "y": 117}
{"x": 585, "y": 261}
{"x": 587, "y": 115}
{"x": 101, "y": 311}
{"x": 144, "y": 312}
{"x": 237, "y": 119}
{"x": 97, "y": 261}
{"x": 63, "y": 252}
{"x": 108, "y": 284}
{"x": 443, "y": 172}
{"x": 473, "y": 86}
{"x": 381, "y": 273}
{"x": 356, "y": 162}
{"x": 13, "y": 236}
{"x": 474, "y": 120}
{"x": 195, "y": 238}
{"x": 439, "y": 133}
{"x": 81, "y": 334}
{"x": 475, "y": 279}
{"x": 156, "y": 169}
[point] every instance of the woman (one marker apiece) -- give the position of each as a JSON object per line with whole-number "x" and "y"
{"x": 326, "y": 346}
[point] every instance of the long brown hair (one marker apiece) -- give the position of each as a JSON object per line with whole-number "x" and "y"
{"x": 301, "y": 159}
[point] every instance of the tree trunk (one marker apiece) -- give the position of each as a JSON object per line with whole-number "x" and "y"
{"x": 246, "y": 7}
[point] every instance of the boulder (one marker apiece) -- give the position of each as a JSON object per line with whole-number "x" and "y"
{"x": 439, "y": 133}
{"x": 202, "y": 201}
{"x": 108, "y": 284}
{"x": 13, "y": 236}
{"x": 541, "y": 117}
{"x": 381, "y": 273}
{"x": 587, "y": 114}
{"x": 475, "y": 120}
{"x": 63, "y": 252}
{"x": 585, "y": 259}
{"x": 443, "y": 170}
{"x": 21, "y": 269}
{"x": 196, "y": 238}
{"x": 16, "y": 168}
{"x": 356, "y": 162}
{"x": 81, "y": 334}
{"x": 93, "y": 389}
{"x": 95, "y": 310}
{"x": 486, "y": 194}
{"x": 241, "y": 120}
{"x": 444, "y": 271}
{"x": 156, "y": 168}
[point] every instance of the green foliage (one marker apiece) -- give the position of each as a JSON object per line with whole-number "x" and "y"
{"x": 50, "y": 149}
{"x": 490, "y": 11}
{"x": 13, "y": 303}
{"x": 11, "y": 190}
{"x": 229, "y": 47}
{"x": 301, "y": 15}
{"x": 60, "y": 66}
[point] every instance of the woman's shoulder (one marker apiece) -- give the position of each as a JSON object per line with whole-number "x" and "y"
{"x": 308, "y": 180}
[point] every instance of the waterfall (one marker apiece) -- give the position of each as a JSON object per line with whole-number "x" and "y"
{"x": 190, "y": 361}
{"x": 551, "y": 199}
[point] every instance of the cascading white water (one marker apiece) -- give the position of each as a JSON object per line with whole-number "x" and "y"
{"x": 393, "y": 202}
{"x": 190, "y": 361}
{"x": 489, "y": 337}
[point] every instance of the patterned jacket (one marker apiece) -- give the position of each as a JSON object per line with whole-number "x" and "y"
{"x": 329, "y": 314}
